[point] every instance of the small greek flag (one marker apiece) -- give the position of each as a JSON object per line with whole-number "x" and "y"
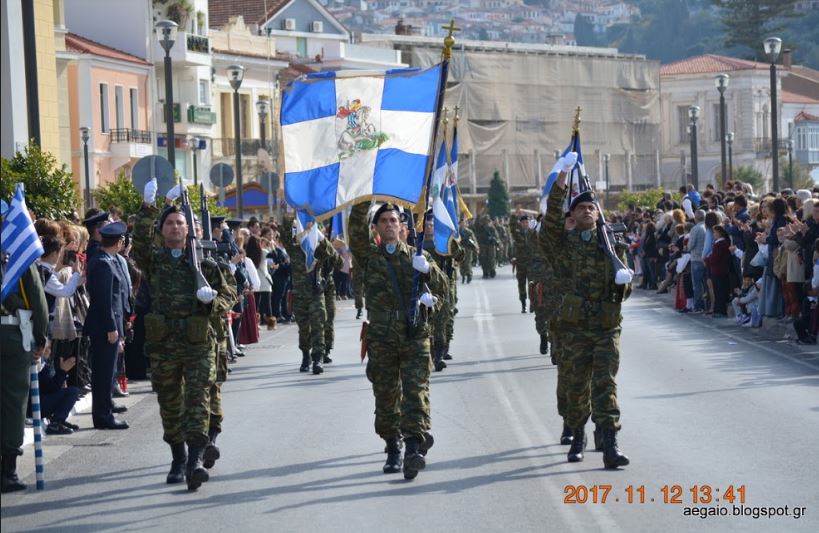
{"x": 308, "y": 235}
{"x": 20, "y": 240}
{"x": 355, "y": 135}
{"x": 450, "y": 194}
{"x": 443, "y": 226}
{"x": 575, "y": 182}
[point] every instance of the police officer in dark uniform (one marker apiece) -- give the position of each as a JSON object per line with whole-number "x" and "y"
{"x": 94, "y": 221}
{"x": 105, "y": 324}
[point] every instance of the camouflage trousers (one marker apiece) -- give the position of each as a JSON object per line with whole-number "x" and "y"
{"x": 540, "y": 301}
{"x": 182, "y": 375}
{"x": 488, "y": 260}
{"x": 523, "y": 287}
{"x": 216, "y": 415}
{"x": 330, "y": 308}
{"x": 465, "y": 266}
{"x": 358, "y": 291}
{"x": 399, "y": 370}
{"x": 310, "y": 317}
{"x": 591, "y": 357}
{"x": 443, "y": 324}
{"x": 556, "y": 349}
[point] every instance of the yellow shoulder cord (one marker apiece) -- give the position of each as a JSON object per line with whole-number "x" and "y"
{"x": 24, "y": 295}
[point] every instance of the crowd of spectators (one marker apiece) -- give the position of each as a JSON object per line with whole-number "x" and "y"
{"x": 730, "y": 252}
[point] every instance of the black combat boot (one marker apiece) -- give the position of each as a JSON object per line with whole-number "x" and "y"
{"x": 523, "y": 306}
{"x": 612, "y": 456}
{"x": 180, "y": 457}
{"x": 394, "y": 462}
{"x": 438, "y": 360}
{"x": 598, "y": 438}
{"x": 211, "y": 453}
{"x": 358, "y": 313}
{"x": 326, "y": 357}
{"x": 10, "y": 481}
{"x": 446, "y": 355}
{"x": 469, "y": 279}
{"x": 531, "y": 307}
{"x": 424, "y": 447}
{"x": 305, "y": 361}
{"x": 544, "y": 344}
{"x": 317, "y": 369}
{"x": 195, "y": 473}
{"x": 413, "y": 460}
{"x": 566, "y": 436}
{"x": 578, "y": 445}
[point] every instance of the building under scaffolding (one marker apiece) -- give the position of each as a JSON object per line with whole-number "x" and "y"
{"x": 517, "y": 104}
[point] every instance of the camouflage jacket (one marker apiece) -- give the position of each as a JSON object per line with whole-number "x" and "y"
{"x": 380, "y": 295}
{"x": 468, "y": 240}
{"x": 486, "y": 234}
{"x": 171, "y": 281}
{"x": 581, "y": 268}
{"x": 304, "y": 282}
{"x": 525, "y": 243}
{"x": 447, "y": 263}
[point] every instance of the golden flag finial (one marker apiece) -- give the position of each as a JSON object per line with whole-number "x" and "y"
{"x": 576, "y": 126}
{"x": 457, "y": 116}
{"x": 449, "y": 40}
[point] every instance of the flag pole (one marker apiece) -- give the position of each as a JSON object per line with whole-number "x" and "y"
{"x": 446, "y": 55}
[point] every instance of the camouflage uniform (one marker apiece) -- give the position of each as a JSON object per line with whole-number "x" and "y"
{"x": 399, "y": 365}
{"x": 179, "y": 333}
{"x": 220, "y": 348}
{"x": 589, "y": 319}
{"x": 470, "y": 246}
{"x": 525, "y": 243}
{"x": 488, "y": 241}
{"x": 308, "y": 294}
{"x": 332, "y": 262}
{"x": 443, "y": 318}
{"x": 358, "y": 285}
{"x": 541, "y": 291}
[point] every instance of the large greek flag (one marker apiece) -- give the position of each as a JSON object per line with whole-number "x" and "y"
{"x": 354, "y": 135}
{"x": 20, "y": 240}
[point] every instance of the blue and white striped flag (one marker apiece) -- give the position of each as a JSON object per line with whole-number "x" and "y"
{"x": 450, "y": 194}
{"x": 20, "y": 240}
{"x": 574, "y": 182}
{"x": 307, "y": 234}
{"x": 355, "y": 135}
{"x": 443, "y": 227}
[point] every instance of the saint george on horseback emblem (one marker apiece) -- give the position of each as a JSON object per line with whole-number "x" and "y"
{"x": 358, "y": 134}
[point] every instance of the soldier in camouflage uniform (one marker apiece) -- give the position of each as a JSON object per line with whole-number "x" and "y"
{"x": 179, "y": 336}
{"x": 308, "y": 297}
{"x": 471, "y": 250}
{"x": 358, "y": 288}
{"x": 541, "y": 292}
{"x": 331, "y": 262}
{"x": 399, "y": 362}
{"x": 443, "y": 318}
{"x": 488, "y": 242}
{"x": 220, "y": 348}
{"x": 525, "y": 241}
{"x": 589, "y": 318}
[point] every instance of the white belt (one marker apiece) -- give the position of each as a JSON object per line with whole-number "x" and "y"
{"x": 8, "y": 320}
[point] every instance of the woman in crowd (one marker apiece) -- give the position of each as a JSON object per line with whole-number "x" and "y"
{"x": 719, "y": 267}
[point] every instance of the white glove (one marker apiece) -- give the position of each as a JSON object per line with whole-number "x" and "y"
{"x": 428, "y": 300}
{"x": 420, "y": 263}
{"x": 532, "y": 223}
{"x": 568, "y": 161}
{"x": 149, "y": 194}
{"x": 206, "y": 295}
{"x": 174, "y": 193}
{"x": 623, "y": 276}
{"x": 320, "y": 236}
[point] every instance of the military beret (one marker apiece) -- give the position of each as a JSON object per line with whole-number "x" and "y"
{"x": 167, "y": 212}
{"x": 384, "y": 208}
{"x": 114, "y": 230}
{"x": 586, "y": 196}
{"x": 96, "y": 219}
{"x": 523, "y": 217}
{"x": 428, "y": 215}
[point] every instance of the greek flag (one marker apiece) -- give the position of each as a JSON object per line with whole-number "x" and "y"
{"x": 443, "y": 227}
{"x": 450, "y": 194}
{"x": 308, "y": 235}
{"x": 575, "y": 183}
{"x": 354, "y": 135}
{"x": 20, "y": 240}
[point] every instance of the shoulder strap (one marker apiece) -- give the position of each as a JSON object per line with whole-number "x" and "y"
{"x": 395, "y": 286}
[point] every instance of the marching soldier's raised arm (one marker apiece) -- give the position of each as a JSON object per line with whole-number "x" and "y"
{"x": 361, "y": 244}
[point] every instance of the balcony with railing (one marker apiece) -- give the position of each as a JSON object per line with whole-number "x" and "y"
{"x": 128, "y": 144}
{"x": 126, "y": 135}
{"x": 762, "y": 145}
{"x": 189, "y": 49}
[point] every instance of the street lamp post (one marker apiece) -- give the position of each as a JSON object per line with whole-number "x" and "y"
{"x": 166, "y": 33}
{"x": 790, "y": 163}
{"x": 85, "y": 136}
{"x": 606, "y": 158}
{"x": 721, "y": 81}
{"x": 262, "y": 108}
{"x": 193, "y": 142}
{"x": 235, "y": 74}
{"x": 772, "y": 47}
{"x": 729, "y": 139}
{"x": 694, "y": 114}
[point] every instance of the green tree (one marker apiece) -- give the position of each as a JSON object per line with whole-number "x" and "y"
{"x": 119, "y": 193}
{"x": 749, "y": 22}
{"x": 584, "y": 32}
{"x": 801, "y": 176}
{"x": 194, "y": 198}
{"x": 49, "y": 189}
{"x": 751, "y": 176}
{"x": 498, "y": 197}
{"x": 648, "y": 198}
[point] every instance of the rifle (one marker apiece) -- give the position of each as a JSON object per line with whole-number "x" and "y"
{"x": 194, "y": 248}
{"x": 207, "y": 243}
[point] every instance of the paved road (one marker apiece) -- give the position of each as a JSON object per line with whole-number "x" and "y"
{"x": 700, "y": 407}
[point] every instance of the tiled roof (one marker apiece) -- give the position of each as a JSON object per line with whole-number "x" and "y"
{"x": 794, "y": 98}
{"x": 81, "y": 45}
{"x": 709, "y": 63}
{"x": 805, "y": 116}
{"x": 252, "y": 11}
